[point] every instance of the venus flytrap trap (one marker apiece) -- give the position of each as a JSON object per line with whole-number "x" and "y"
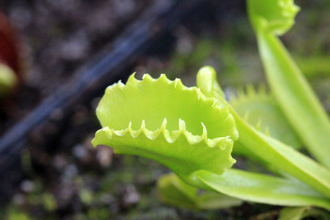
{"x": 200, "y": 157}
{"x": 192, "y": 130}
{"x": 260, "y": 109}
{"x": 160, "y": 119}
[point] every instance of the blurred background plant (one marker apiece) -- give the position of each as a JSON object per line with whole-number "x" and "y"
{"x": 64, "y": 177}
{"x": 10, "y": 58}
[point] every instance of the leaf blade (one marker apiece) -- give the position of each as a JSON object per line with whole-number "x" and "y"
{"x": 296, "y": 98}
{"x": 263, "y": 189}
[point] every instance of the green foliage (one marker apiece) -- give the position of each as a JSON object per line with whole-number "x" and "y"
{"x": 263, "y": 189}
{"x": 192, "y": 130}
{"x": 206, "y": 157}
{"x": 182, "y": 135}
{"x": 290, "y": 88}
{"x": 172, "y": 190}
{"x": 273, "y": 153}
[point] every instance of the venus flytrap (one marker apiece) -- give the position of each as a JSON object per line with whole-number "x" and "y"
{"x": 160, "y": 119}
{"x": 192, "y": 131}
{"x": 193, "y": 135}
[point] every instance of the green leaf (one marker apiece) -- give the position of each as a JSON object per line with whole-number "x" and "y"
{"x": 261, "y": 110}
{"x": 8, "y": 80}
{"x": 300, "y": 213}
{"x": 262, "y": 188}
{"x": 196, "y": 158}
{"x": 165, "y": 121}
{"x": 276, "y": 155}
{"x": 272, "y": 16}
{"x": 173, "y": 191}
{"x": 294, "y": 95}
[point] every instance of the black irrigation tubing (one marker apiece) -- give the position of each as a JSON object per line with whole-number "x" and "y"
{"x": 159, "y": 18}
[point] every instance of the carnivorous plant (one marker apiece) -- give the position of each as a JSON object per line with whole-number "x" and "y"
{"x": 194, "y": 130}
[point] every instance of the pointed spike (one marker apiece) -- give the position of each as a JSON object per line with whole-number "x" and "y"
{"x": 108, "y": 132}
{"x": 177, "y": 83}
{"x": 246, "y": 116}
{"x": 258, "y": 125}
{"x": 132, "y": 76}
{"x": 118, "y": 85}
{"x": 240, "y": 93}
{"x": 236, "y": 97}
{"x": 204, "y": 134}
{"x": 143, "y": 125}
{"x": 232, "y": 96}
{"x": 215, "y": 102}
{"x": 267, "y": 131}
{"x": 162, "y": 76}
{"x": 199, "y": 93}
{"x": 139, "y": 131}
{"x": 131, "y": 80}
{"x": 250, "y": 90}
{"x": 182, "y": 125}
{"x": 295, "y": 8}
{"x": 131, "y": 131}
{"x": 130, "y": 125}
{"x": 167, "y": 134}
{"x": 182, "y": 128}
{"x": 163, "y": 126}
{"x": 121, "y": 85}
{"x": 146, "y": 76}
